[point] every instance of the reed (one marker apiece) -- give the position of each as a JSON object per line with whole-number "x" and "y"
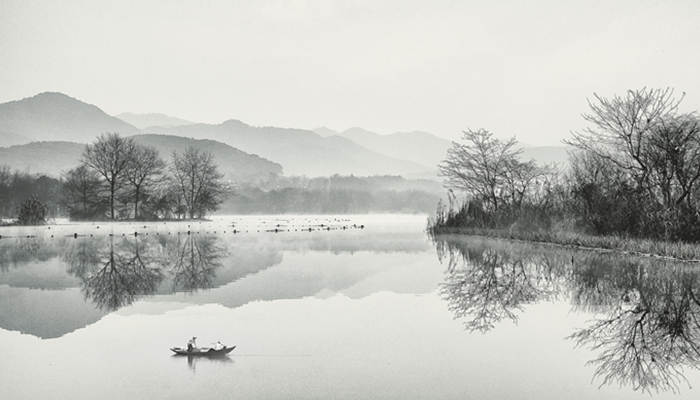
{"x": 646, "y": 247}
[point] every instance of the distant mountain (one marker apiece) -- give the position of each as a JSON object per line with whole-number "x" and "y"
{"x": 59, "y": 120}
{"x": 325, "y": 132}
{"x": 142, "y": 121}
{"x": 302, "y": 152}
{"x": 430, "y": 150}
{"x": 234, "y": 163}
{"x": 53, "y": 158}
{"x": 47, "y": 158}
{"x": 421, "y": 147}
{"x": 11, "y": 139}
{"x": 55, "y": 116}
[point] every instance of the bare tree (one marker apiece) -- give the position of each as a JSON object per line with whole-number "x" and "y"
{"x": 653, "y": 153}
{"x": 81, "y": 189}
{"x": 143, "y": 169}
{"x": 526, "y": 181}
{"x": 479, "y": 164}
{"x": 674, "y": 159}
{"x": 198, "y": 180}
{"x": 110, "y": 156}
{"x": 622, "y": 126}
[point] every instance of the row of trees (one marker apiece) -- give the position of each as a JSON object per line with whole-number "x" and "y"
{"x": 637, "y": 166}
{"x": 500, "y": 186}
{"x": 635, "y": 170}
{"x": 118, "y": 179}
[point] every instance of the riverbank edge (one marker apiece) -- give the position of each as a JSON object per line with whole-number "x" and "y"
{"x": 673, "y": 251}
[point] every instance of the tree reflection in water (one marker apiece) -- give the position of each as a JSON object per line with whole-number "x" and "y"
{"x": 646, "y": 329}
{"x": 114, "y": 275}
{"x": 651, "y": 332}
{"x": 484, "y": 285}
{"x": 18, "y": 251}
{"x": 195, "y": 263}
{"x": 114, "y": 272}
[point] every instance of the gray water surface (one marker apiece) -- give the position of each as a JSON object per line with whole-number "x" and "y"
{"x": 381, "y": 312}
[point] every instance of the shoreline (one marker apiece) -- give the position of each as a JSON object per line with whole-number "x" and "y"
{"x": 664, "y": 250}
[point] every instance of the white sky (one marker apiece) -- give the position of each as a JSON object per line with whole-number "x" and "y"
{"x": 516, "y": 68}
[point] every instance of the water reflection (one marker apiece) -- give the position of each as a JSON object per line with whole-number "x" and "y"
{"x": 646, "y": 328}
{"x": 195, "y": 262}
{"x": 114, "y": 272}
{"x": 23, "y": 250}
{"x": 114, "y": 275}
{"x": 192, "y": 361}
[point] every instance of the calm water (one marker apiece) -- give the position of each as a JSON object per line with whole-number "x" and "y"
{"x": 380, "y": 312}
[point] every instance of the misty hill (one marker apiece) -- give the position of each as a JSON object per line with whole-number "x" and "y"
{"x": 428, "y": 149}
{"x": 420, "y": 147}
{"x": 11, "y": 139}
{"x": 55, "y": 116}
{"x": 53, "y": 158}
{"x": 325, "y": 132}
{"x": 301, "y": 152}
{"x": 142, "y": 121}
{"x": 45, "y": 158}
{"x": 234, "y": 163}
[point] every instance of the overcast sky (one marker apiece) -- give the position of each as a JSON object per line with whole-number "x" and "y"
{"x": 520, "y": 68}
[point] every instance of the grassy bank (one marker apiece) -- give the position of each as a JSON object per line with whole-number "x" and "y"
{"x": 644, "y": 247}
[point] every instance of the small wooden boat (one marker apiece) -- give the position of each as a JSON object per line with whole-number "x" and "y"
{"x": 202, "y": 351}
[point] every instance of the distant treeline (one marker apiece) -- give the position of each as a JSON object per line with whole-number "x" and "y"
{"x": 16, "y": 187}
{"x": 633, "y": 172}
{"x": 335, "y": 194}
{"x": 83, "y": 194}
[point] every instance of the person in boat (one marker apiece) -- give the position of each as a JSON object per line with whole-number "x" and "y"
{"x": 218, "y": 345}
{"x": 192, "y": 343}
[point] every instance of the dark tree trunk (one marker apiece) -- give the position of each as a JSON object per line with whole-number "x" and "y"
{"x": 111, "y": 199}
{"x": 136, "y": 202}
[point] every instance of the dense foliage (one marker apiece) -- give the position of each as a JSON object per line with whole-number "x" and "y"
{"x": 17, "y": 187}
{"x": 32, "y": 212}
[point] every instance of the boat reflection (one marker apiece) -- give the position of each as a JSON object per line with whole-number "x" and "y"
{"x": 646, "y": 326}
{"x": 192, "y": 361}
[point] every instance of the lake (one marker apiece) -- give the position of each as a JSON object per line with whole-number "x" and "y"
{"x": 342, "y": 307}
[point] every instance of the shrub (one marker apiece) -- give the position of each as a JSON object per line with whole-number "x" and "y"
{"x": 32, "y": 212}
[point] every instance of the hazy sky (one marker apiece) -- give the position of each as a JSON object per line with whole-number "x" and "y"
{"x": 519, "y": 68}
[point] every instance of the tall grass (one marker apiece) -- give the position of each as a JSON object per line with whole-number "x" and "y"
{"x": 456, "y": 221}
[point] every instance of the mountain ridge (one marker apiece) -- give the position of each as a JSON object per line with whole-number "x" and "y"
{"x": 430, "y": 150}
{"x": 302, "y": 152}
{"x": 147, "y": 120}
{"x": 52, "y": 158}
{"x": 51, "y": 116}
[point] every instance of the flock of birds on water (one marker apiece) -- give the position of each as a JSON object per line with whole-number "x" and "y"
{"x": 337, "y": 224}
